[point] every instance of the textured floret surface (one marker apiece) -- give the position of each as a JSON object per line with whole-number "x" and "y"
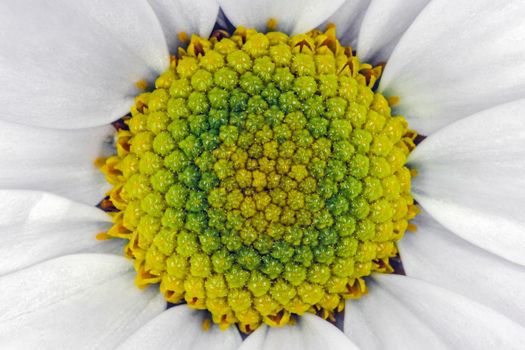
{"x": 262, "y": 177}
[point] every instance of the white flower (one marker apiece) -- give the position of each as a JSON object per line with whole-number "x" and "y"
{"x": 68, "y": 69}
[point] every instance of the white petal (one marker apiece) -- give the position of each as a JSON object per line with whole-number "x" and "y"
{"x": 37, "y": 226}
{"x": 348, "y": 20}
{"x": 58, "y": 161}
{"x": 74, "y": 302}
{"x": 367, "y": 323}
{"x": 189, "y": 16}
{"x": 182, "y": 328}
{"x": 310, "y": 333}
{"x": 72, "y": 64}
{"x": 472, "y": 179}
{"x": 293, "y": 16}
{"x": 436, "y": 255}
{"x": 383, "y": 24}
{"x": 405, "y": 313}
{"x": 458, "y": 58}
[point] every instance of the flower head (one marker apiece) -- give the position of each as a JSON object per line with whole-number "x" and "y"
{"x": 263, "y": 178}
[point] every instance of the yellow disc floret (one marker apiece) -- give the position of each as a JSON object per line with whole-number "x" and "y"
{"x": 262, "y": 178}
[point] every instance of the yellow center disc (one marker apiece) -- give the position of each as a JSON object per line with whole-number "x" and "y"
{"x": 263, "y": 177}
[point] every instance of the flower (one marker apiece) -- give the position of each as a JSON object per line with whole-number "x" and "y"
{"x": 68, "y": 69}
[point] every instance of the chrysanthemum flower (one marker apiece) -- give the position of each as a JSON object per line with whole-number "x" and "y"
{"x": 262, "y": 176}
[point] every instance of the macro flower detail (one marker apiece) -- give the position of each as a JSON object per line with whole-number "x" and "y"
{"x": 262, "y": 177}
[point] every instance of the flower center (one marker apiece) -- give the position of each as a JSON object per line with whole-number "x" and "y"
{"x": 263, "y": 177}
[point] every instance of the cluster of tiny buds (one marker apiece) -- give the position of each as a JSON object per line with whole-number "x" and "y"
{"x": 262, "y": 177}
